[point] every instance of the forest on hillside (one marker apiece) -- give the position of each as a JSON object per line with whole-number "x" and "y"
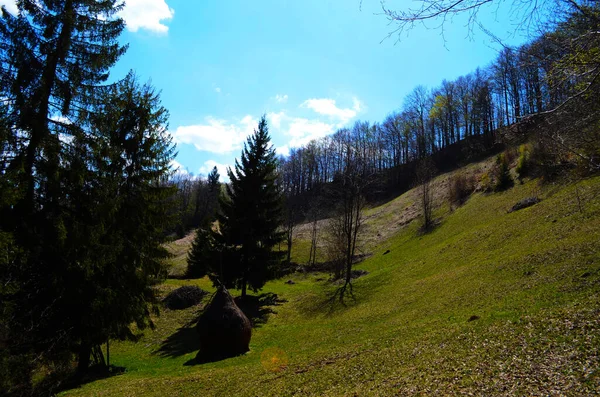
{"x": 545, "y": 91}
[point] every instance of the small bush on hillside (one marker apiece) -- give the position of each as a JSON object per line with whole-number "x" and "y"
{"x": 184, "y": 297}
{"x": 524, "y": 160}
{"x": 460, "y": 188}
{"x": 485, "y": 182}
{"x": 511, "y": 154}
{"x": 502, "y": 171}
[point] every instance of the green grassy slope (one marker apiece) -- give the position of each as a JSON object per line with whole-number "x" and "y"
{"x": 531, "y": 279}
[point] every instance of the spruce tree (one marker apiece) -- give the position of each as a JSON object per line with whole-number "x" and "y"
{"x": 214, "y": 189}
{"x": 121, "y": 218}
{"x": 82, "y": 221}
{"x": 205, "y": 255}
{"x": 251, "y": 215}
{"x": 213, "y": 179}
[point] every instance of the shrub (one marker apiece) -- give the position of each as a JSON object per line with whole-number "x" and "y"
{"x": 511, "y": 154}
{"x": 184, "y": 297}
{"x": 503, "y": 178}
{"x": 485, "y": 182}
{"x": 524, "y": 160}
{"x": 460, "y": 188}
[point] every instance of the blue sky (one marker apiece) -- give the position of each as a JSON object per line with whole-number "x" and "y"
{"x": 312, "y": 66}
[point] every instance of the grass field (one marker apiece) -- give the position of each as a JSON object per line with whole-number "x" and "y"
{"x": 489, "y": 303}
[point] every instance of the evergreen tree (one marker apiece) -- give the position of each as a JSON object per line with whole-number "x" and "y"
{"x": 204, "y": 256}
{"x": 204, "y": 250}
{"x": 81, "y": 221}
{"x": 214, "y": 189}
{"x": 121, "y": 215}
{"x": 213, "y": 179}
{"x": 240, "y": 253}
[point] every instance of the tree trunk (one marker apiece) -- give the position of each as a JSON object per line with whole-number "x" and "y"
{"x": 289, "y": 248}
{"x": 348, "y": 271}
{"x": 244, "y": 285}
{"x": 83, "y": 363}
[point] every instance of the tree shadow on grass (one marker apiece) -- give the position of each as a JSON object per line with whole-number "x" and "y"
{"x": 60, "y": 382}
{"x": 201, "y": 359}
{"x": 333, "y": 298}
{"x": 259, "y": 308}
{"x": 185, "y": 340}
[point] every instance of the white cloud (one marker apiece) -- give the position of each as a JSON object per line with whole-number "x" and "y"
{"x": 303, "y": 131}
{"x": 275, "y": 119}
{"x": 300, "y": 130}
{"x": 287, "y": 129}
{"x": 147, "y": 14}
{"x": 218, "y": 90}
{"x": 178, "y": 167}
{"x": 328, "y": 107}
{"x": 283, "y": 150}
{"x": 222, "y": 168}
{"x": 216, "y": 136}
{"x": 281, "y": 98}
{"x": 11, "y": 6}
{"x": 138, "y": 14}
{"x": 357, "y": 105}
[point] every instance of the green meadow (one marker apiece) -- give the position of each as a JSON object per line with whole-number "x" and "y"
{"x": 490, "y": 302}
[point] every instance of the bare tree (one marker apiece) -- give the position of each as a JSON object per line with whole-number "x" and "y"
{"x": 425, "y": 173}
{"x": 526, "y": 15}
{"x": 313, "y": 216}
{"x": 292, "y": 211}
{"x": 348, "y": 190}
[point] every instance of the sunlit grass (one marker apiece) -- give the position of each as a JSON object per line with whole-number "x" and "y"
{"x": 529, "y": 281}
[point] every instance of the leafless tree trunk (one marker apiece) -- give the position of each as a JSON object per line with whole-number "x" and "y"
{"x": 425, "y": 174}
{"x": 348, "y": 189}
{"x": 314, "y": 232}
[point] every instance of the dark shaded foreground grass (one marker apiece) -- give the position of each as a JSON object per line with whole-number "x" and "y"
{"x": 529, "y": 281}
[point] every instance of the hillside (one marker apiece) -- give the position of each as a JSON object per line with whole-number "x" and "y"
{"x": 490, "y": 302}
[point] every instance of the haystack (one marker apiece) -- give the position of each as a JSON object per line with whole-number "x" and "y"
{"x": 224, "y": 329}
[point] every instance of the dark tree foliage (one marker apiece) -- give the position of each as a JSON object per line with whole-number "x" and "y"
{"x": 82, "y": 196}
{"x": 204, "y": 250}
{"x": 204, "y": 256}
{"x": 241, "y": 253}
{"x": 131, "y": 151}
{"x": 212, "y": 200}
{"x": 196, "y": 202}
{"x": 213, "y": 179}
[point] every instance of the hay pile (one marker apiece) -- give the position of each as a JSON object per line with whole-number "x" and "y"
{"x": 184, "y": 297}
{"x": 224, "y": 329}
